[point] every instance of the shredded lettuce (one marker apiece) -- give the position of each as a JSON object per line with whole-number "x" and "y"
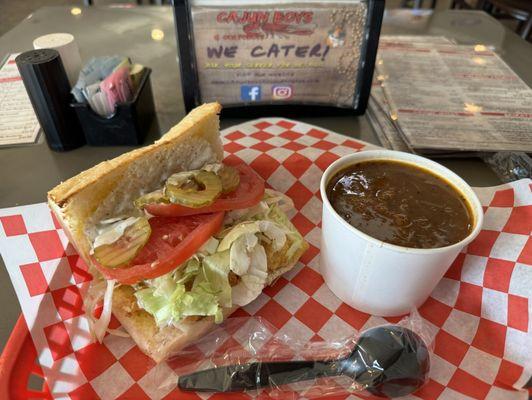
{"x": 190, "y": 271}
{"x": 235, "y": 216}
{"x": 99, "y": 327}
{"x": 281, "y": 200}
{"x": 158, "y": 306}
{"x": 239, "y": 254}
{"x": 199, "y": 301}
{"x": 169, "y": 301}
{"x": 163, "y": 286}
{"x": 251, "y": 284}
{"x": 216, "y": 275}
{"x": 202, "y": 286}
{"x": 209, "y": 247}
{"x": 296, "y": 241}
{"x": 271, "y": 230}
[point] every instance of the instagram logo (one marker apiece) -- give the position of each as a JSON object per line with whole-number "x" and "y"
{"x": 282, "y": 92}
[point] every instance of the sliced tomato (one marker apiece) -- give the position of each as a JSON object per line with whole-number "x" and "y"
{"x": 173, "y": 241}
{"x": 248, "y": 193}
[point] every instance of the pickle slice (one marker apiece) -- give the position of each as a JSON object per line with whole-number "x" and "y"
{"x": 123, "y": 250}
{"x": 193, "y": 189}
{"x": 151, "y": 198}
{"x": 230, "y": 178}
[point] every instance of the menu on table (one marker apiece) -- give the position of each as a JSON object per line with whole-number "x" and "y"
{"x": 449, "y": 97}
{"x": 378, "y": 111}
{"x": 379, "y": 117}
{"x": 18, "y": 123}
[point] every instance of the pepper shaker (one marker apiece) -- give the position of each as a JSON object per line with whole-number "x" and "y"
{"x": 48, "y": 88}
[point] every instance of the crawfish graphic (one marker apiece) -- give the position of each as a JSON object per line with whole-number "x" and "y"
{"x": 269, "y": 29}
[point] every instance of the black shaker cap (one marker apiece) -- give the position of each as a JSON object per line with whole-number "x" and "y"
{"x": 39, "y": 56}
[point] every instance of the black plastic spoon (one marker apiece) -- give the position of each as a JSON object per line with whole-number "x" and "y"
{"x": 389, "y": 361}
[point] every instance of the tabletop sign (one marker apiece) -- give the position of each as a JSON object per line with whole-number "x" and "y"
{"x": 278, "y": 57}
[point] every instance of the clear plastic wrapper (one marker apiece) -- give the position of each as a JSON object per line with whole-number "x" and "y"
{"x": 250, "y": 355}
{"x": 510, "y": 166}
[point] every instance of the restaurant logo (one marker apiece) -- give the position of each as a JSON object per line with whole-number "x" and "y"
{"x": 264, "y": 24}
{"x": 282, "y": 92}
{"x": 250, "y": 92}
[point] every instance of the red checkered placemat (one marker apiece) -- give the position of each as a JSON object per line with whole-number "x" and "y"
{"x": 479, "y": 313}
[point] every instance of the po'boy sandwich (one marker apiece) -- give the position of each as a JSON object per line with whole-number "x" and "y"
{"x": 176, "y": 240}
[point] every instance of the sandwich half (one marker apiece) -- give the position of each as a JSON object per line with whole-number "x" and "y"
{"x": 175, "y": 239}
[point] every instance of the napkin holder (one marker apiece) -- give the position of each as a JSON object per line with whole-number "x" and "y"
{"x": 131, "y": 122}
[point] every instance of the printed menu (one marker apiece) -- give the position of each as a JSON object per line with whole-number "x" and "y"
{"x": 379, "y": 118}
{"x": 18, "y": 123}
{"x": 449, "y": 97}
{"x": 378, "y": 111}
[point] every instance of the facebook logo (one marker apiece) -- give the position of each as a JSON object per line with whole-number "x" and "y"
{"x": 250, "y": 92}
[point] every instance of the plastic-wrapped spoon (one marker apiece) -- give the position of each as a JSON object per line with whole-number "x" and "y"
{"x": 388, "y": 361}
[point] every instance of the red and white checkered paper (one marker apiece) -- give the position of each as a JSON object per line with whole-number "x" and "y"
{"x": 480, "y": 313}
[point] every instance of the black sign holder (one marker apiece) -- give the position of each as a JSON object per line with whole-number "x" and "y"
{"x": 190, "y": 81}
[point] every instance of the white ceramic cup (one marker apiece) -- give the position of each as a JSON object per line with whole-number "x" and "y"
{"x": 377, "y": 277}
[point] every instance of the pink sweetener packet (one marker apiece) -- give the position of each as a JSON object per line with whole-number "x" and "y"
{"x": 117, "y": 87}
